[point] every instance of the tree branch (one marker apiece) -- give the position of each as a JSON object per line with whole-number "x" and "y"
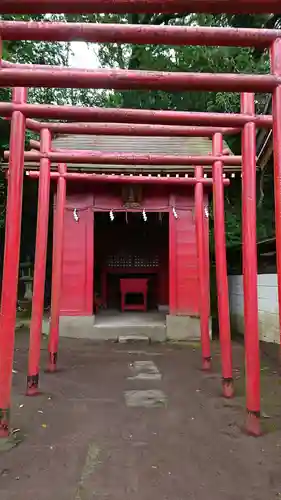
{"x": 165, "y": 18}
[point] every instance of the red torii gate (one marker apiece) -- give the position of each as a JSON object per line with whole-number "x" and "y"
{"x": 21, "y": 112}
{"x": 129, "y": 116}
{"x": 138, "y": 6}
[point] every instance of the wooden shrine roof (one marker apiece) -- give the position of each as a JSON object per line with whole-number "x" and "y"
{"x": 176, "y": 146}
{"x": 145, "y": 145}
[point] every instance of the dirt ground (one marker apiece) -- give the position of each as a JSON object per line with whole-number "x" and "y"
{"x": 140, "y": 422}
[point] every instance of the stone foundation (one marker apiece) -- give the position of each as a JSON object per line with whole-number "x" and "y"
{"x": 112, "y": 327}
{"x": 183, "y": 328}
{"x": 177, "y": 328}
{"x": 77, "y": 327}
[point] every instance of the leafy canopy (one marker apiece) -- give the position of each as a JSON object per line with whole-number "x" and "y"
{"x": 154, "y": 57}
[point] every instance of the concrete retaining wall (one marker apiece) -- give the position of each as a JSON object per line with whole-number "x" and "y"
{"x": 267, "y": 304}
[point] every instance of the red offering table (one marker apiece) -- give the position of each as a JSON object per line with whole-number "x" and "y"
{"x": 137, "y": 286}
{"x": 107, "y": 271}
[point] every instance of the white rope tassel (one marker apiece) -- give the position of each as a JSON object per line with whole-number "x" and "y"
{"x": 144, "y": 216}
{"x": 175, "y": 213}
{"x": 111, "y": 215}
{"x": 75, "y": 215}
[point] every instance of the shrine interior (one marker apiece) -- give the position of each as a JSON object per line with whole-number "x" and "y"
{"x": 131, "y": 245}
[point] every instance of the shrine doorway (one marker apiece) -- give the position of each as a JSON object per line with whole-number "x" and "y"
{"x": 132, "y": 249}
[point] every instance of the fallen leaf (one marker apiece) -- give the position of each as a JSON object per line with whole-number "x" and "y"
{"x": 264, "y": 415}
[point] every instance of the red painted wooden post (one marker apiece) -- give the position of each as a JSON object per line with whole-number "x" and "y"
{"x": 34, "y": 144}
{"x": 94, "y": 291}
{"x": 123, "y": 79}
{"x": 127, "y": 116}
{"x": 172, "y": 259}
{"x": 39, "y": 268}
{"x": 221, "y": 270}
{"x": 132, "y": 129}
{"x": 249, "y": 257}
{"x": 202, "y": 271}
{"x": 207, "y": 253}
{"x": 276, "y": 114}
{"x": 57, "y": 269}
{"x": 11, "y": 259}
{"x": 117, "y": 158}
{"x": 127, "y": 179}
{"x": 137, "y": 34}
{"x": 138, "y": 7}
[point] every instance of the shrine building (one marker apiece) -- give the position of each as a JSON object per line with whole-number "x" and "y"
{"x": 129, "y": 250}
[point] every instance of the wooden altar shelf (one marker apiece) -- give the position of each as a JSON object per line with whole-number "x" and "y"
{"x": 133, "y": 286}
{"x": 146, "y": 271}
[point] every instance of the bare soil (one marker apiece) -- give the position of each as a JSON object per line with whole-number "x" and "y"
{"x": 82, "y": 442}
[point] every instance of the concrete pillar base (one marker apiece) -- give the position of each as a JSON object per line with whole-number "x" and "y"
{"x": 183, "y": 327}
{"x": 77, "y": 326}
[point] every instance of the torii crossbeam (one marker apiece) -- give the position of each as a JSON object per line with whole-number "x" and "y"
{"x": 20, "y": 76}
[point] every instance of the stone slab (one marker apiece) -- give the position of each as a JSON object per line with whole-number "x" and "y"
{"x": 144, "y": 370}
{"x": 153, "y": 398}
{"x": 124, "y": 339}
{"x": 77, "y": 327}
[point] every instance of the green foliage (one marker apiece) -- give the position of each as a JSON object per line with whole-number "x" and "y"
{"x": 196, "y": 59}
{"x": 233, "y": 210}
{"x": 154, "y": 57}
{"x": 168, "y": 58}
{"x": 39, "y": 53}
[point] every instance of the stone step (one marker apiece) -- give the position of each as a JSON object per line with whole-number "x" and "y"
{"x": 84, "y": 327}
{"x": 131, "y": 333}
{"x": 123, "y": 339}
